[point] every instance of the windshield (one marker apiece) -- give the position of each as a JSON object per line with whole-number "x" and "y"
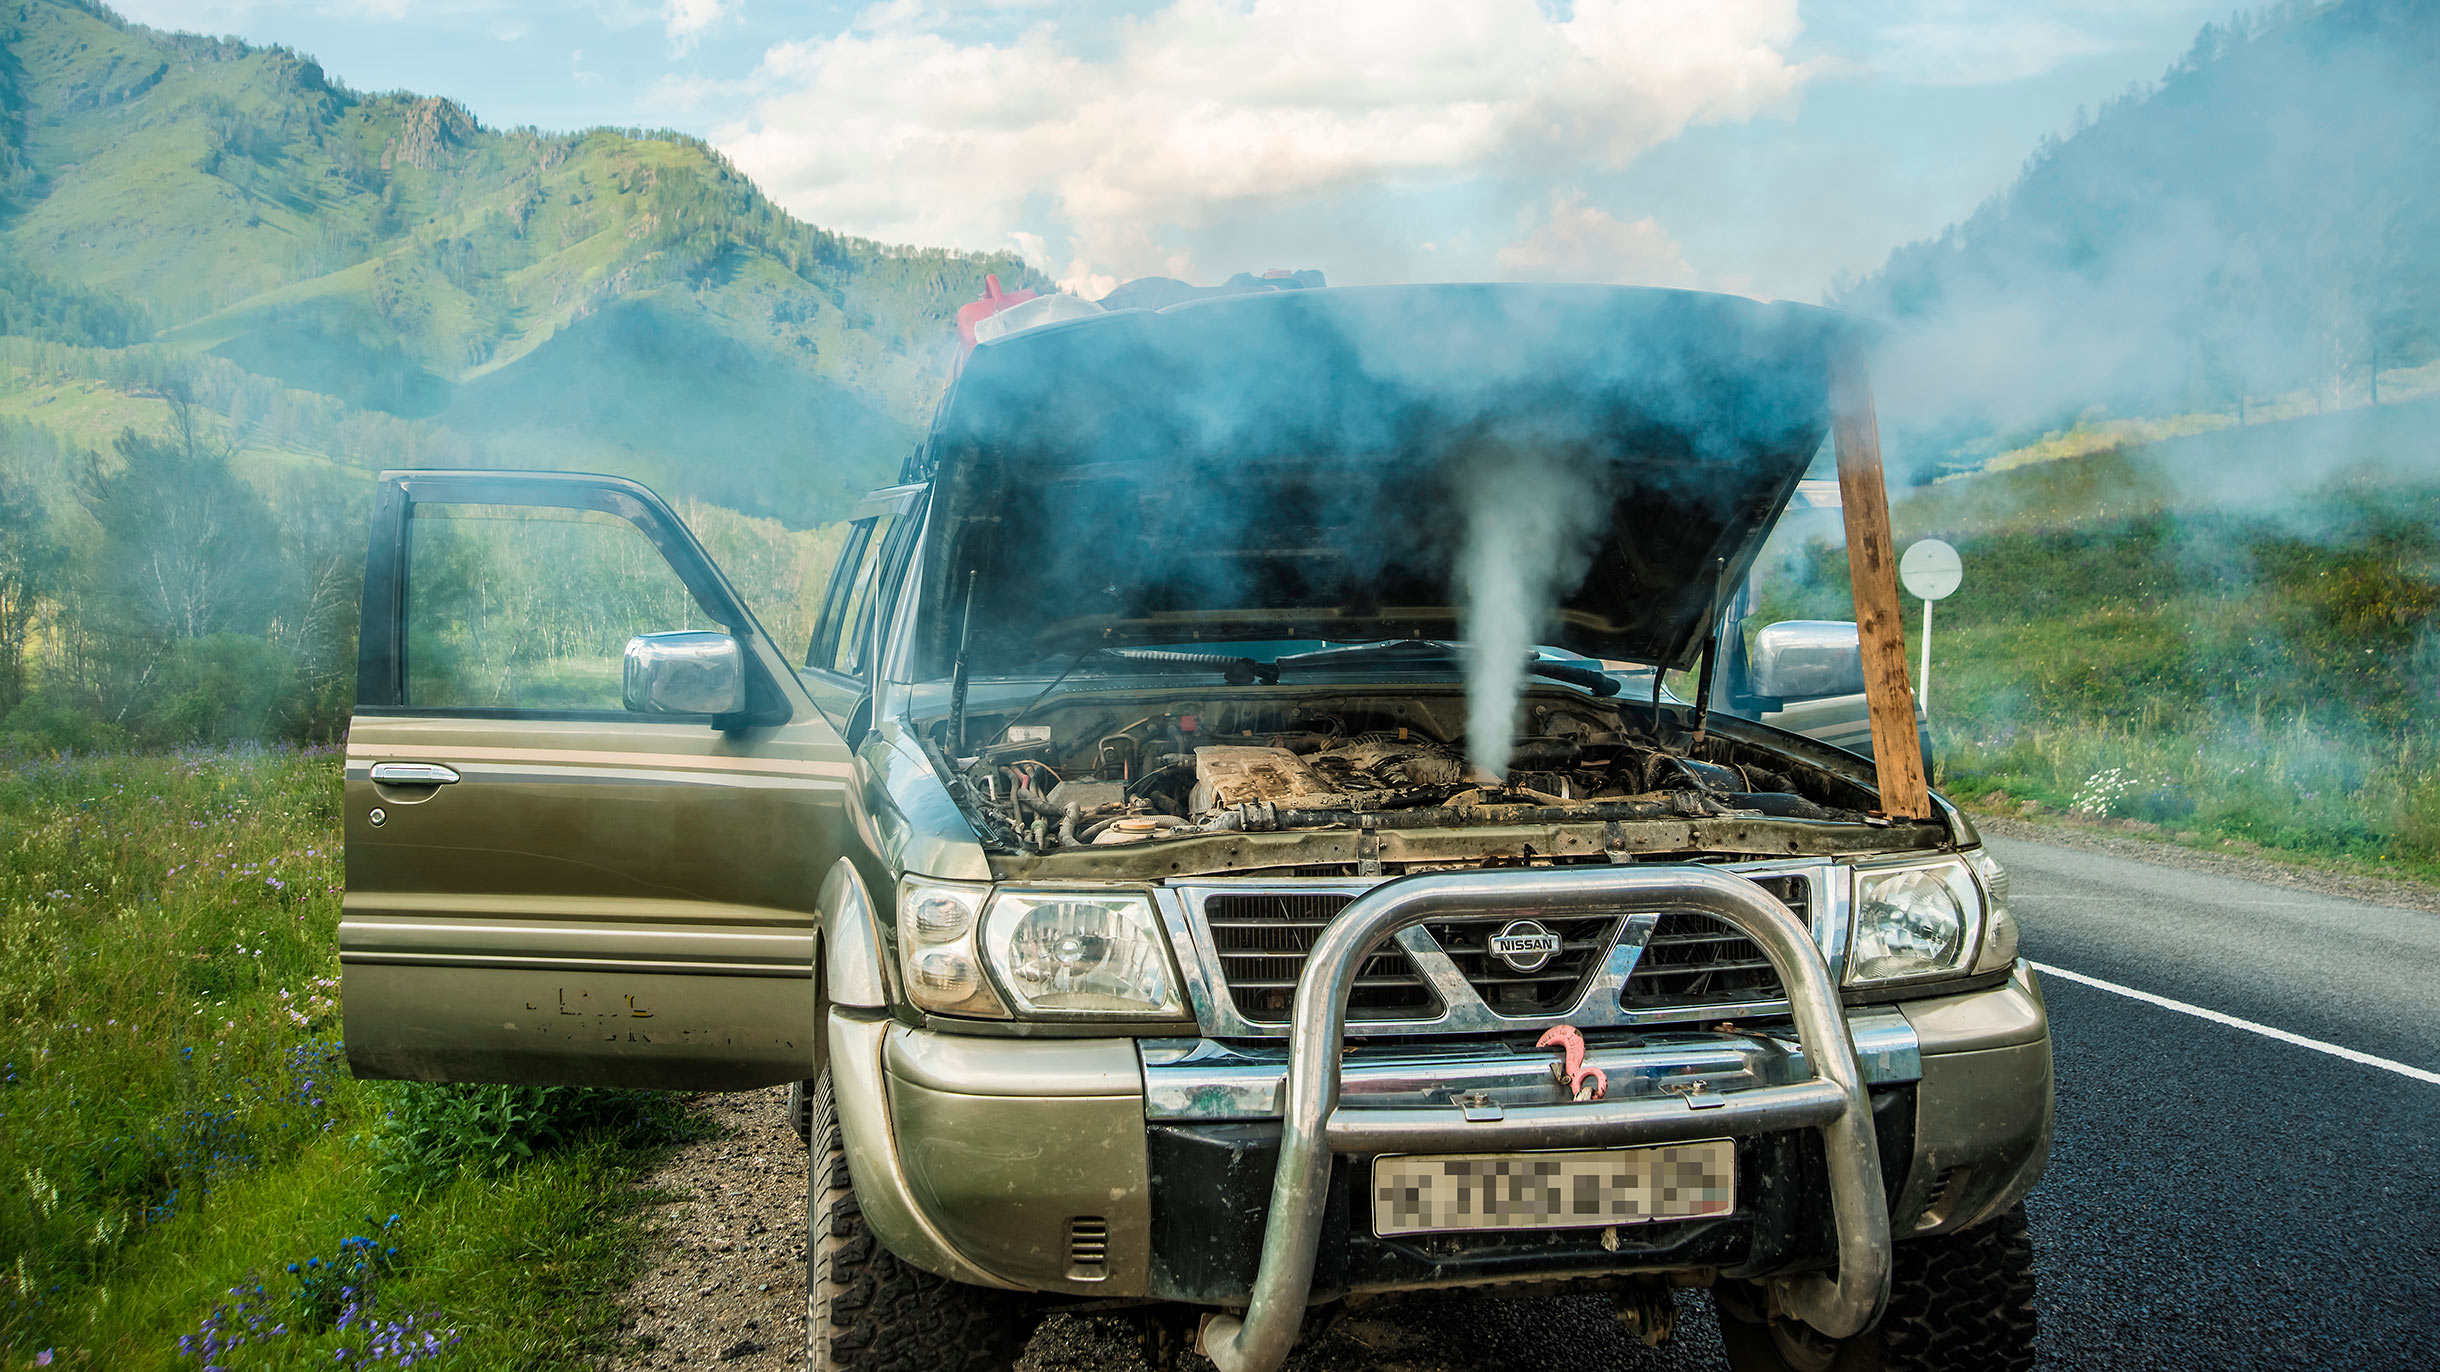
{"x": 1320, "y": 661}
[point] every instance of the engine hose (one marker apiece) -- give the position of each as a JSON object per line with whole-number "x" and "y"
{"x": 1158, "y": 776}
{"x": 1067, "y": 827}
{"x": 1037, "y": 804}
{"x": 1785, "y": 805}
{"x": 1660, "y": 769}
{"x": 1545, "y": 755}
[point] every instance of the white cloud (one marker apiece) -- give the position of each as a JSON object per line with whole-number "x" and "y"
{"x": 1581, "y": 242}
{"x": 688, "y": 20}
{"x": 1206, "y": 109}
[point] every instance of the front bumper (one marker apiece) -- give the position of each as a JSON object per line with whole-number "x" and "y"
{"x": 982, "y": 1154}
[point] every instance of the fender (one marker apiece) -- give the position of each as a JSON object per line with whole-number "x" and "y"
{"x": 849, "y": 957}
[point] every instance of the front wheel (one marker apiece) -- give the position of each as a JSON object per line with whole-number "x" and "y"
{"x": 1961, "y": 1302}
{"x": 867, "y": 1311}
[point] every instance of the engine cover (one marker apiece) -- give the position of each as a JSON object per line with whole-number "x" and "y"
{"x": 1235, "y": 775}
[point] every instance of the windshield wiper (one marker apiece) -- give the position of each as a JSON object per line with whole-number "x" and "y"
{"x": 1240, "y": 671}
{"x": 1416, "y": 651}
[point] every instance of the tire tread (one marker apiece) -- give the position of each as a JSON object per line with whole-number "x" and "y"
{"x": 1960, "y": 1302}
{"x": 869, "y": 1311}
{"x": 1963, "y": 1301}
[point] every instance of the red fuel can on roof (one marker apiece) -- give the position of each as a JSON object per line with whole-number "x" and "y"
{"x": 994, "y": 300}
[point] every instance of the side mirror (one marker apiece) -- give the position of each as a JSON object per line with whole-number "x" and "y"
{"x": 1805, "y": 659}
{"x": 689, "y": 673}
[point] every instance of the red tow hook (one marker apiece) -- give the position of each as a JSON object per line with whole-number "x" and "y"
{"x": 1582, "y": 1082}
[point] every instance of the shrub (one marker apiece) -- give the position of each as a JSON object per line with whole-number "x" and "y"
{"x": 220, "y": 688}
{"x": 433, "y": 1131}
{"x": 49, "y": 723}
{"x": 2418, "y": 822}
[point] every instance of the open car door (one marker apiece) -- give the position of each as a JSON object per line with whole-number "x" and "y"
{"x": 588, "y": 802}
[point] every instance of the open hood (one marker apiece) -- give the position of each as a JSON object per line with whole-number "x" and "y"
{"x": 1362, "y": 463}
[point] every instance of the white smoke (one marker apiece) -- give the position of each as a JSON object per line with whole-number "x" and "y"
{"x": 1530, "y": 519}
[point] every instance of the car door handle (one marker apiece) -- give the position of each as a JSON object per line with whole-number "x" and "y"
{"x": 413, "y": 774}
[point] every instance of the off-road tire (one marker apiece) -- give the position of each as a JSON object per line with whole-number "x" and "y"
{"x": 867, "y": 1311}
{"x": 1961, "y": 1302}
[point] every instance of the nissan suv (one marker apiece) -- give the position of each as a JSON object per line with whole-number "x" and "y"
{"x": 1224, "y": 851}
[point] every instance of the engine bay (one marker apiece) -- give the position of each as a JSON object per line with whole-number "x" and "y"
{"x": 1095, "y": 772}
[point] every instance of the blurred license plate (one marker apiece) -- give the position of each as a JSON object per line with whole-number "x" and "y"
{"x": 1462, "y": 1191}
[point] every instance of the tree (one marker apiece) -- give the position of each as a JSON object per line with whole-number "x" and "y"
{"x": 31, "y": 561}
{"x": 187, "y": 551}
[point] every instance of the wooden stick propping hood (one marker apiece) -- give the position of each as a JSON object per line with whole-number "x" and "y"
{"x": 1872, "y": 566}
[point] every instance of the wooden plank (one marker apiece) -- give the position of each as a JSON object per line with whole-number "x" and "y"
{"x": 1872, "y": 567}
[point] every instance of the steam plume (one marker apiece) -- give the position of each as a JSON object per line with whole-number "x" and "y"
{"x": 1530, "y": 517}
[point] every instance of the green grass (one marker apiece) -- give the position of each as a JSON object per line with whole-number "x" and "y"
{"x": 2267, "y": 677}
{"x": 178, "y": 1120}
{"x": 2296, "y": 790}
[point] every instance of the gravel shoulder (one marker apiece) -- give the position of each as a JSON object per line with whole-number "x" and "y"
{"x": 2227, "y": 862}
{"x": 725, "y": 1286}
{"x": 726, "y": 1283}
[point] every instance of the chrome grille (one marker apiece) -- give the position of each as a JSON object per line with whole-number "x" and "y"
{"x": 1548, "y": 989}
{"x": 1250, "y": 943}
{"x": 1696, "y": 960}
{"x": 1263, "y": 938}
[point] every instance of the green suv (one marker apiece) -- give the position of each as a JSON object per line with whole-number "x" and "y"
{"x": 1224, "y": 851}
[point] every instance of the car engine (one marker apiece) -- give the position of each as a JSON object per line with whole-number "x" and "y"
{"x": 1096, "y": 781}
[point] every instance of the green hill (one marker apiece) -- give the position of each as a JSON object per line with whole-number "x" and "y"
{"x": 229, "y": 283}
{"x": 2265, "y": 222}
{"x": 618, "y": 300}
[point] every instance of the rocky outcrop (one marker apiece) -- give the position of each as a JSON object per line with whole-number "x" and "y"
{"x": 429, "y": 130}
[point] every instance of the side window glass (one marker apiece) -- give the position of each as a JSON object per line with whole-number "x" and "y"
{"x": 854, "y": 627}
{"x": 531, "y": 607}
{"x": 835, "y": 595}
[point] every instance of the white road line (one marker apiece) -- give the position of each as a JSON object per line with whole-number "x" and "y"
{"x": 2334, "y": 1050}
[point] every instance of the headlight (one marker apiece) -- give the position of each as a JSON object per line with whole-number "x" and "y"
{"x": 1999, "y": 926}
{"x": 936, "y": 949}
{"x": 1914, "y": 921}
{"x": 1083, "y": 954}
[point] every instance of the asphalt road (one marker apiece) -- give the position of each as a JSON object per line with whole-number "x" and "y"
{"x": 2216, "y": 1198}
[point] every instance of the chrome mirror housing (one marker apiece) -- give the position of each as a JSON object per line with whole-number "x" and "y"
{"x": 1804, "y": 659}
{"x": 687, "y": 673}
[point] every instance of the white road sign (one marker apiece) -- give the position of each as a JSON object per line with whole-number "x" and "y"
{"x": 1930, "y": 570}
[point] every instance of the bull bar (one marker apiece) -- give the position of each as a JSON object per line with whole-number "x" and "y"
{"x": 1831, "y": 1100}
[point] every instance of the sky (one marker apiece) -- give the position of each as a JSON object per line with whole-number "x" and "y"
{"x": 1760, "y": 146}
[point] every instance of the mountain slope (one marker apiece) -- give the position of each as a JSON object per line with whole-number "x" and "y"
{"x": 391, "y": 252}
{"x": 2266, "y": 220}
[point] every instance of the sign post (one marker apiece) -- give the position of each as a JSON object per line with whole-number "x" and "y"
{"x": 1931, "y": 571}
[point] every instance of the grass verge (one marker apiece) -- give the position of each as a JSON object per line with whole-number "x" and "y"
{"x": 2262, "y": 677}
{"x": 193, "y": 1178}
